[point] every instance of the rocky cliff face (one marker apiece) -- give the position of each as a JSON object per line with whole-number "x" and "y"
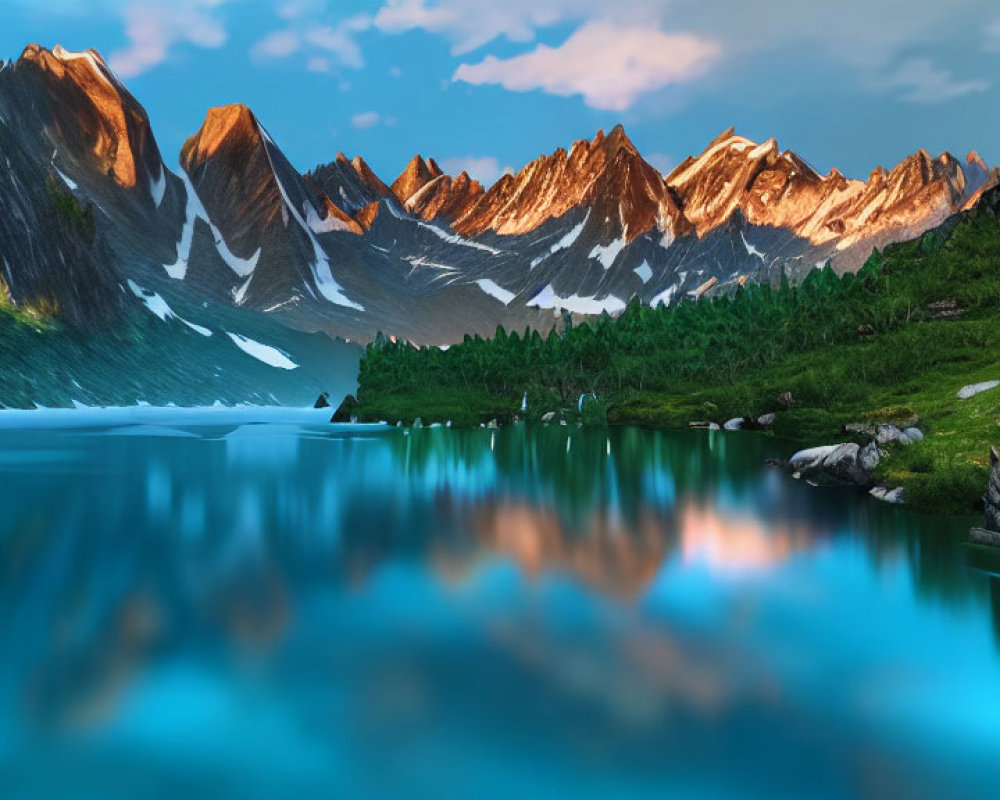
{"x": 606, "y": 175}
{"x": 96, "y": 238}
{"x": 268, "y": 216}
{"x": 352, "y": 184}
{"x": 777, "y": 189}
{"x": 430, "y": 256}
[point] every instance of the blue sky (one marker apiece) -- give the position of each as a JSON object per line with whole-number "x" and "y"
{"x": 489, "y": 85}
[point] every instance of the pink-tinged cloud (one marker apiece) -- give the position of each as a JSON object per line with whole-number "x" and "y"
{"x": 153, "y": 29}
{"x": 607, "y": 65}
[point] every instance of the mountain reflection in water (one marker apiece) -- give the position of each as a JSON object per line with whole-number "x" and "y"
{"x": 296, "y": 609}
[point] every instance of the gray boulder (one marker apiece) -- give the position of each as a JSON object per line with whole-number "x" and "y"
{"x": 834, "y": 463}
{"x": 886, "y": 495}
{"x": 809, "y": 460}
{"x": 548, "y": 416}
{"x": 842, "y": 465}
{"x": 766, "y": 420}
{"x": 914, "y": 434}
{"x": 734, "y": 424}
{"x": 870, "y": 456}
{"x": 896, "y": 496}
{"x": 887, "y": 434}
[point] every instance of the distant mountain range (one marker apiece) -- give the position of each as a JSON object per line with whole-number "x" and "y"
{"x": 93, "y": 222}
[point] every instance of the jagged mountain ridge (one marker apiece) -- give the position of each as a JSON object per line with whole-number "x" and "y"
{"x": 430, "y": 256}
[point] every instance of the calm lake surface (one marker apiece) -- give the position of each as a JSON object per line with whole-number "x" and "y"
{"x": 255, "y": 604}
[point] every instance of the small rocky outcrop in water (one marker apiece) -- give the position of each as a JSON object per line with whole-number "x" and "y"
{"x": 834, "y": 463}
{"x": 851, "y": 463}
{"x": 323, "y": 401}
{"x": 347, "y": 411}
{"x": 990, "y": 532}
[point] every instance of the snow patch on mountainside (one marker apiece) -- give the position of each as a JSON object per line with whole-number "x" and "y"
{"x": 567, "y": 241}
{"x": 495, "y": 290}
{"x": 666, "y": 297}
{"x": 102, "y": 71}
{"x": 607, "y": 253}
{"x": 644, "y": 271}
{"x": 321, "y": 270}
{"x": 328, "y": 225}
{"x": 159, "y": 307}
{"x": 194, "y": 210}
{"x": 271, "y": 356}
{"x": 575, "y": 304}
{"x": 67, "y": 180}
{"x": 751, "y": 250}
{"x": 240, "y": 292}
{"x": 452, "y": 238}
{"x": 158, "y": 186}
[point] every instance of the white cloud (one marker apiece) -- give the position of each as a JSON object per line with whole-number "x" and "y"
{"x": 365, "y": 120}
{"x": 993, "y": 37}
{"x": 485, "y": 169}
{"x": 340, "y": 41}
{"x": 154, "y": 28}
{"x": 608, "y": 65}
{"x": 854, "y": 41}
{"x": 277, "y": 44}
{"x": 325, "y": 45}
{"x": 661, "y": 162}
{"x": 470, "y": 24}
{"x": 921, "y": 82}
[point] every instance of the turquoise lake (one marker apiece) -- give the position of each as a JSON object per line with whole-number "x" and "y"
{"x": 254, "y": 604}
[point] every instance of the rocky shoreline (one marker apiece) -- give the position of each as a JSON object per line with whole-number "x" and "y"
{"x": 854, "y": 464}
{"x": 843, "y": 463}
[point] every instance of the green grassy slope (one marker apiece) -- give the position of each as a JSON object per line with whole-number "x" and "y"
{"x": 893, "y": 343}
